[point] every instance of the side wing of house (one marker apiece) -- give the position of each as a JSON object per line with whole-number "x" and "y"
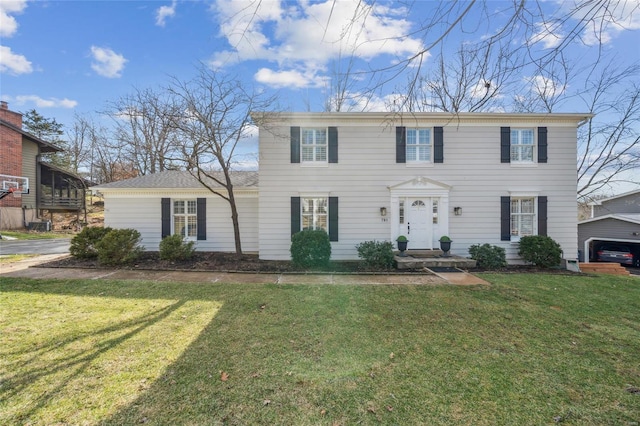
{"x": 478, "y": 178}
{"x": 196, "y": 214}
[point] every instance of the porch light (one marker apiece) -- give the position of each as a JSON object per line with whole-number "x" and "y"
{"x": 457, "y": 211}
{"x": 383, "y": 211}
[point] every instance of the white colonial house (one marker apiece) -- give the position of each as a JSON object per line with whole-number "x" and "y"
{"x": 475, "y": 177}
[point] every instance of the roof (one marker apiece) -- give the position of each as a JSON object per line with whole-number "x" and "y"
{"x": 67, "y": 173}
{"x": 407, "y": 117}
{"x": 625, "y": 217}
{"x": 178, "y": 179}
{"x": 44, "y": 145}
{"x": 604, "y": 200}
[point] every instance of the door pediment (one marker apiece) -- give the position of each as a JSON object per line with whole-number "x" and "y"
{"x": 421, "y": 184}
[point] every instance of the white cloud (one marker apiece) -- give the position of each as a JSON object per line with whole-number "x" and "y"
{"x": 548, "y": 34}
{"x": 545, "y": 87}
{"x": 308, "y": 35}
{"x": 610, "y": 19}
{"x": 165, "y": 12}
{"x": 107, "y": 63}
{"x": 288, "y": 79}
{"x": 8, "y": 24}
{"x": 12, "y": 63}
{"x": 45, "y": 103}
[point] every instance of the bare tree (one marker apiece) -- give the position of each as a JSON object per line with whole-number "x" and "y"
{"x": 143, "y": 126}
{"x": 215, "y": 119}
{"x": 609, "y": 145}
{"x": 79, "y": 147}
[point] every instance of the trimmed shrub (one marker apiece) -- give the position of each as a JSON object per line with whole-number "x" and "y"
{"x": 488, "y": 256}
{"x": 540, "y": 250}
{"x": 175, "y": 248}
{"x": 119, "y": 246}
{"x": 83, "y": 244}
{"x": 310, "y": 248}
{"x": 376, "y": 254}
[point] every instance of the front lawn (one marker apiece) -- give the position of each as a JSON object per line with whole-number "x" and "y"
{"x": 530, "y": 349}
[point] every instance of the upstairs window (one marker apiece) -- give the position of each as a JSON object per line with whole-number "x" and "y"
{"x": 522, "y": 145}
{"x": 314, "y": 145}
{"x": 418, "y": 145}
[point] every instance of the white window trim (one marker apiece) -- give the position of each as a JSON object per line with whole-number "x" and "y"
{"x": 418, "y": 163}
{"x": 523, "y": 196}
{"x": 534, "y": 151}
{"x": 314, "y": 162}
{"x": 186, "y": 215}
{"x": 313, "y": 196}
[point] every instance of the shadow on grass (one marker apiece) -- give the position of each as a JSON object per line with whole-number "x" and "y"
{"x": 74, "y": 365}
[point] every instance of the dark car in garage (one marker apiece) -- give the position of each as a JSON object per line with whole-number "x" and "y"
{"x": 617, "y": 253}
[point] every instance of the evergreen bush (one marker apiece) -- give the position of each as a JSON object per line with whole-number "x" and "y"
{"x": 175, "y": 248}
{"x": 83, "y": 244}
{"x": 119, "y": 246}
{"x": 376, "y": 254}
{"x": 488, "y": 256}
{"x": 310, "y": 248}
{"x": 540, "y": 250}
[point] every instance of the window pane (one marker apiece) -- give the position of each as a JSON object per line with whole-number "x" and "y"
{"x": 527, "y": 205}
{"x": 307, "y": 137}
{"x": 321, "y": 153}
{"x": 526, "y": 153}
{"x": 411, "y": 136}
{"x": 526, "y": 225}
{"x": 412, "y": 153}
{"x": 435, "y": 211}
{"x": 321, "y": 205}
{"x": 321, "y": 136}
{"x": 178, "y": 207}
{"x": 192, "y": 226}
{"x": 307, "y": 153}
{"x": 191, "y": 207}
{"x": 179, "y": 225}
{"x": 424, "y": 153}
{"x": 401, "y": 213}
{"x": 526, "y": 137}
{"x": 424, "y": 137}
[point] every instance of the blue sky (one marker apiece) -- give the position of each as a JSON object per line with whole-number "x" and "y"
{"x": 66, "y": 57}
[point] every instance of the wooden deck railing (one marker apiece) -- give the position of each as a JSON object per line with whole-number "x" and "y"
{"x": 49, "y": 202}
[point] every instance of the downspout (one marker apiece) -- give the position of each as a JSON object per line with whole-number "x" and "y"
{"x": 38, "y": 185}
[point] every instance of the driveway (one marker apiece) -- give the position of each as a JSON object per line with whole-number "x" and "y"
{"x": 54, "y": 246}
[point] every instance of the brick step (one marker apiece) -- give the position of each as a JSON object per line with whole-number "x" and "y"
{"x": 604, "y": 268}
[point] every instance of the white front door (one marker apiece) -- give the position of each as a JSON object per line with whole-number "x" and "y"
{"x": 420, "y": 223}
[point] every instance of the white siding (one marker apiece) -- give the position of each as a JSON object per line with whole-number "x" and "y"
{"x": 367, "y": 168}
{"x": 142, "y": 211}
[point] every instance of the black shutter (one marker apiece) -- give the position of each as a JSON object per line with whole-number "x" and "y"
{"x": 438, "y": 145}
{"x": 401, "y": 145}
{"x": 542, "y": 216}
{"x": 505, "y": 218}
{"x": 505, "y": 144}
{"x": 201, "y": 218}
{"x": 295, "y": 144}
{"x": 165, "y": 212}
{"x": 333, "y": 218}
{"x": 542, "y": 144}
{"x": 333, "y": 144}
{"x": 295, "y": 215}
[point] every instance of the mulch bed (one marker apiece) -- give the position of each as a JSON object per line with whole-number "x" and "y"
{"x": 218, "y": 261}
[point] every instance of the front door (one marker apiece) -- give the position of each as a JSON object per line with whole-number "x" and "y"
{"x": 419, "y": 223}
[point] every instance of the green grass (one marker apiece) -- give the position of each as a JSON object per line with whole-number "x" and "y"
{"x": 530, "y": 349}
{"x": 34, "y": 235}
{"x": 10, "y": 258}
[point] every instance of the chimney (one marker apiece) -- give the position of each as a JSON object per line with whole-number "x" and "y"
{"x": 4, "y": 105}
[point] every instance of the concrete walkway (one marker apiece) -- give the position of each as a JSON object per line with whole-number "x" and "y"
{"x": 26, "y": 269}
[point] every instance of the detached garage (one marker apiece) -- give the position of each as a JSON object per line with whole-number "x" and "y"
{"x": 603, "y": 231}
